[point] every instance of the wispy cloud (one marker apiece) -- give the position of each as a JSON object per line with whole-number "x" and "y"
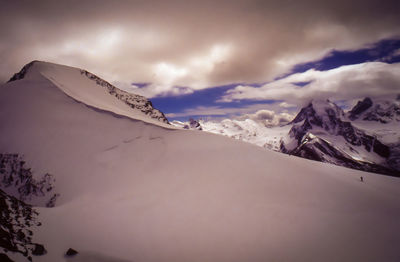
{"x": 247, "y": 111}
{"x": 344, "y": 83}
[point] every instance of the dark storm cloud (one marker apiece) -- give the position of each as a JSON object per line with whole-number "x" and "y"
{"x": 195, "y": 44}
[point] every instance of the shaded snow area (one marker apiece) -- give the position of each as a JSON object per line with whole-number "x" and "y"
{"x": 135, "y": 191}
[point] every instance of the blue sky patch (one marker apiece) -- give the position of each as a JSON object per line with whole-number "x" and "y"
{"x": 385, "y": 51}
{"x": 381, "y": 51}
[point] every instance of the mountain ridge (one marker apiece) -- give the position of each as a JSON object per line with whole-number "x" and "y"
{"x": 134, "y": 101}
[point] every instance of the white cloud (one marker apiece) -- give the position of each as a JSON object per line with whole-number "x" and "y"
{"x": 196, "y": 44}
{"x": 268, "y": 114}
{"x": 187, "y": 76}
{"x": 264, "y": 114}
{"x": 390, "y": 56}
{"x": 373, "y": 79}
{"x": 286, "y": 105}
{"x": 269, "y": 117}
{"x": 168, "y": 73}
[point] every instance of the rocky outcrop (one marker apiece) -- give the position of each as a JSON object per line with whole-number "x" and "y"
{"x": 17, "y": 219}
{"x": 134, "y": 101}
{"x": 360, "y": 108}
{"x": 193, "y": 124}
{"x": 71, "y": 252}
{"x": 16, "y": 179}
{"x": 21, "y": 74}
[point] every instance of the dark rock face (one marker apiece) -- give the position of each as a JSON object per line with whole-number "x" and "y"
{"x": 71, "y": 252}
{"x": 318, "y": 149}
{"x": 329, "y": 118}
{"x": 194, "y": 124}
{"x": 360, "y": 107}
{"x": 308, "y": 113}
{"x": 39, "y": 250}
{"x": 394, "y": 159}
{"x": 134, "y": 101}
{"x": 382, "y": 111}
{"x": 4, "y": 258}
{"x": 16, "y": 219}
{"x": 324, "y": 114}
{"x": 16, "y": 179}
{"x": 383, "y": 115}
{"x": 21, "y": 74}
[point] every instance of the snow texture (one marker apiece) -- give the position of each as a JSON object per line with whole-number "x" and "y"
{"x": 131, "y": 190}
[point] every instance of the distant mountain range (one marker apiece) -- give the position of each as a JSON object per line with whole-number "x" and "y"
{"x": 366, "y": 138}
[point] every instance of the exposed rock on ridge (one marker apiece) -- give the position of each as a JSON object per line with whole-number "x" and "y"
{"x": 133, "y": 100}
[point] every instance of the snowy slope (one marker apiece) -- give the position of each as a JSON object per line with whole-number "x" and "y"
{"x": 134, "y": 191}
{"x": 247, "y": 130}
{"x": 86, "y": 87}
{"x": 321, "y": 131}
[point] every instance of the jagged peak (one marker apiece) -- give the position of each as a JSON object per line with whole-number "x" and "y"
{"x": 360, "y": 107}
{"x": 22, "y": 73}
{"x": 381, "y": 110}
{"x": 318, "y": 111}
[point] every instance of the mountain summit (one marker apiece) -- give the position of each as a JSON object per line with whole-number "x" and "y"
{"x": 83, "y": 85}
{"x": 321, "y": 132}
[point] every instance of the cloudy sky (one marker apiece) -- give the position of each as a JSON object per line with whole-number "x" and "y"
{"x": 215, "y": 58}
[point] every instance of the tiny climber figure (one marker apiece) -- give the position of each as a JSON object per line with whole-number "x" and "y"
{"x": 361, "y": 179}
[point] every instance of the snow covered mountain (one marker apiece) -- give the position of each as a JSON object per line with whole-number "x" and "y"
{"x": 321, "y": 131}
{"x": 383, "y": 111}
{"x": 247, "y": 130}
{"x": 191, "y": 124}
{"x": 132, "y": 188}
{"x": 380, "y": 118}
{"x": 64, "y": 77}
